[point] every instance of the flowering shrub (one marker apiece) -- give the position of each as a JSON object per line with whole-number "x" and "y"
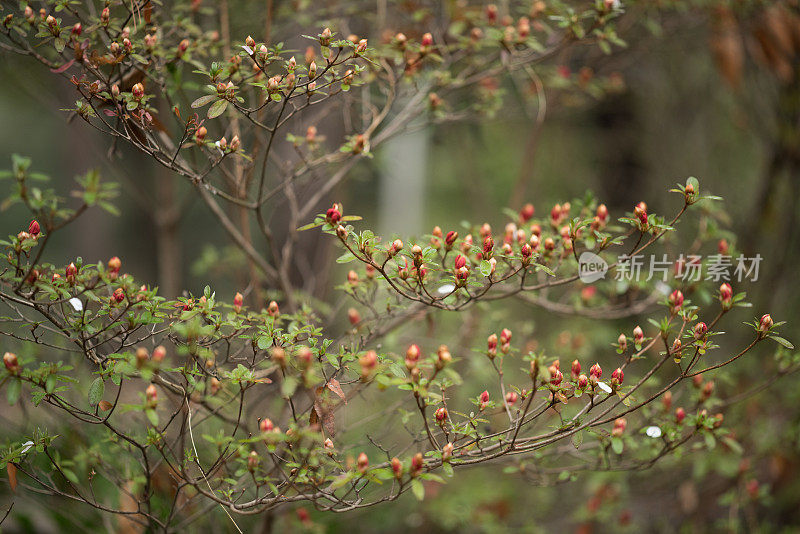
{"x": 241, "y": 403}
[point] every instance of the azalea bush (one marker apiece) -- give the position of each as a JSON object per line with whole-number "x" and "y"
{"x": 168, "y": 411}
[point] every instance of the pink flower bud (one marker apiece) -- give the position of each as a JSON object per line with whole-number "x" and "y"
{"x": 680, "y": 415}
{"x": 576, "y": 369}
{"x": 526, "y": 213}
{"x": 417, "y": 463}
{"x": 250, "y": 42}
{"x": 11, "y": 362}
{"x": 638, "y": 335}
{"x": 765, "y": 323}
{"x": 252, "y": 461}
{"x": 353, "y": 316}
{"x": 617, "y": 376}
{"x": 368, "y": 363}
{"x": 152, "y": 394}
{"x": 238, "y": 302}
{"x": 505, "y": 336}
{"x": 596, "y": 371}
{"x": 441, "y": 415}
{"x": 361, "y": 46}
{"x": 619, "y": 427}
{"x": 273, "y": 310}
{"x": 447, "y": 451}
{"x": 138, "y": 90}
{"x": 511, "y": 398}
{"x": 641, "y": 213}
{"x": 622, "y": 341}
{"x": 427, "y": 40}
{"x": 266, "y": 425}
{"x": 725, "y": 295}
{"x": 397, "y": 467}
{"x": 675, "y": 300}
{"x": 583, "y": 381}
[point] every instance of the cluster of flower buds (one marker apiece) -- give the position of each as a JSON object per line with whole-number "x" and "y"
{"x": 117, "y": 296}
{"x": 11, "y": 363}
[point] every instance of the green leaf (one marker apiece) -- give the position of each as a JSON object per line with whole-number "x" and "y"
{"x": 13, "y": 391}
{"x": 203, "y": 101}
{"x": 96, "y": 391}
{"x": 486, "y": 268}
{"x": 152, "y": 416}
{"x": 217, "y": 108}
{"x": 617, "y": 445}
{"x": 577, "y": 439}
{"x": 782, "y": 341}
{"x": 418, "y": 489}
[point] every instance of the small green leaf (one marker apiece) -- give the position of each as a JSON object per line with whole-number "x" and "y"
{"x": 418, "y": 489}
{"x": 96, "y": 391}
{"x": 203, "y": 101}
{"x": 617, "y": 445}
{"x": 782, "y": 341}
{"x": 13, "y": 391}
{"x": 217, "y": 108}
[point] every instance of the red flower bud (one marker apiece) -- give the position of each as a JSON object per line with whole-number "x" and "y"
{"x": 138, "y": 90}
{"x": 555, "y": 376}
{"x": 417, "y": 462}
{"x": 441, "y": 415}
{"x": 617, "y": 376}
{"x": 159, "y": 353}
{"x": 526, "y": 213}
{"x": 238, "y": 302}
{"x": 353, "y": 316}
{"x": 505, "y": 336}
{"x": 334, "y": 214}
{"x": 450, "y": 238}
{"x": 266, "y": 425}
{"x": 680, "y": 415}
{"x": 33, "y": 228}
{"x": 700, "y": 330}
{"x": 583, "y": 381}
{"x": 273, "y": 310}
{"x": 641, "y": 213}
{"x": 397, "y": 467}
{"x": 427, "y": 40}
{"x": 596, "y": 371}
